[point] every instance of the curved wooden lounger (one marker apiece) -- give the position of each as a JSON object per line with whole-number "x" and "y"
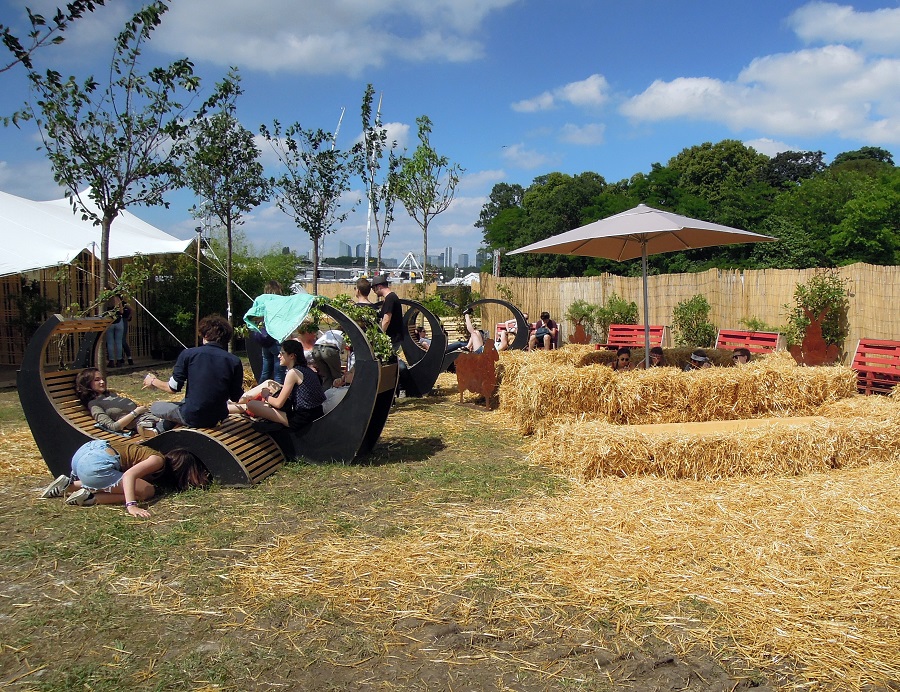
{"x": 519, "y": 343}
{"x": 351, "y": 428}
{"x": 234, "y": 453}
{"x": 424, "y": 366}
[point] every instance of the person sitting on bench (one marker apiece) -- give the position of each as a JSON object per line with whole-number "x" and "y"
{"x": 115, "y": 473}
{"x": 699, "y": 361}
{"x": 300, "y": 400}
{"x": 545, "y": 332}
{"x": 113, "y": 412}
{"x": 214, "y": 376}
{"x": 657, "y": 358}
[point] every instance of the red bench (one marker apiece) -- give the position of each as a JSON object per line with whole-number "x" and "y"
{"x": 632, "y": 335}
{"x": 877, "y": 363}
{"x": 755, "y": 342}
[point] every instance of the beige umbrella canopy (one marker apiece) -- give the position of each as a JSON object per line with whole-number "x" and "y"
{"x": 640, "y": 232}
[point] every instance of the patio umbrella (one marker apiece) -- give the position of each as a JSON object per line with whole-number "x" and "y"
{"x": 640, "y": 232}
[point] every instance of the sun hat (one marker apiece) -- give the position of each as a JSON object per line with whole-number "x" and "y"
{"x": 699, "y": 356}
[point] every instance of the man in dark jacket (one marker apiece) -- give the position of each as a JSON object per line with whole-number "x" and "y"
{"x": 213, "y": 377}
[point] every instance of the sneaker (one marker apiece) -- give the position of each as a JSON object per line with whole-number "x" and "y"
{"x": 57, "y": 487}
{"x": 82, "y": 498}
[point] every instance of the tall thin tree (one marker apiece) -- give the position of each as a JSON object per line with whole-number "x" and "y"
{"x": 315, "y": 177}
{"x": 117, "y": 145}
{"x": 426, "y": 184}
{"x": 223, "y": 168}
{"x": 380, "y": 189}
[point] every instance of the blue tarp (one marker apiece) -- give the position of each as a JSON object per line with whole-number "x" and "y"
{"x": 281, "y": 314}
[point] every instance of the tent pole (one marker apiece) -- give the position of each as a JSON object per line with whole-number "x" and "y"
{"x": 199, "y": 230}
{"x": 646, "y": 303}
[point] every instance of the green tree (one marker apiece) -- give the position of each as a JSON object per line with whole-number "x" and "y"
{"x": 223, "y": 168}
{"x": 426, "y": 184}
{"x": 316, "y": 176}
{"x": 864, "y": 154}
{"x": 119, "y": 144}
{"x": 43, "y": 31}
{"x": 790, "y": 168}
{"x": 381, "y": 190}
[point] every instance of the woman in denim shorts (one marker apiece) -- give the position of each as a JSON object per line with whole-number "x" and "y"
{"x": 111, "y": 473}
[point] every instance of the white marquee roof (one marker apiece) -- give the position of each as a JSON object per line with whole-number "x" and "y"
{"x": 36, "y": 235}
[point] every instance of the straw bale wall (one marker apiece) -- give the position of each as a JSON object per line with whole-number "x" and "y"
{"x": 539, "y": 390}
{"x": 732, "y": 295}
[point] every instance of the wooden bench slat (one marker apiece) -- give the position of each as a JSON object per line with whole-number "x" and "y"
{"x": 632, "y": 336}
{"x": 755, "y": 342}
{"x": 877, "y": 363}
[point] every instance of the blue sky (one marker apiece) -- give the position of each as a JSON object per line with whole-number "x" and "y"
{"x": 515, "y": 88}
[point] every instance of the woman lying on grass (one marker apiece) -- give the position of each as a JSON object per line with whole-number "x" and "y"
{"x": 113, "y": 473}
{"x": 113, "y": 412}
{"x": 299, "y": 401}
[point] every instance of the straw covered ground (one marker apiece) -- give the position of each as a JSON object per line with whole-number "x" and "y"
{"x": 448, "y": 561}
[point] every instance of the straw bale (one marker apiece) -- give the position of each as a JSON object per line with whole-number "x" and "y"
{"x": 785, "y": 446}
{"x": 539, "y": 389}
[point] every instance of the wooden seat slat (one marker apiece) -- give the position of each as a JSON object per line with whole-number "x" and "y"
{"x": 877, "y": 363}
{"x": 755, "y": 342}
{"x": 632, "y": 336}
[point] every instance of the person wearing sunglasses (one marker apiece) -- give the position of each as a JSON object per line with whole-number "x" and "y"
{"x": 623, "y": 359}
{"x": 740, "y": 356}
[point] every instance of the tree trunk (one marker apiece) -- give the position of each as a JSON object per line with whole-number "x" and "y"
{"x": 315, "y": 281}
{"x": 228, "y": 284}
{"x": 105, "y": 225}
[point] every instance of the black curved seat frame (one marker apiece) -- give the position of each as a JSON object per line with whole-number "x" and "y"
{"x": 424, "y": 366}
{"x": 519, "y": 343}
{"x": 234, "y": 453}
{"x": 351, "y": 429}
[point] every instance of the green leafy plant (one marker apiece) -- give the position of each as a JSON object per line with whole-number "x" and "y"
{"x": 754, "y": 324}
{"x": 690, "y": 321}
{"x": 596, "y": 318}
{"x": 363, "y": 316}
{"x": 826, "y": 292}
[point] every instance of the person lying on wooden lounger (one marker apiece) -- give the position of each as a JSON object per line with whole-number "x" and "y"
{"x": 112, "y": 411}
{"x": 115, "y": 473}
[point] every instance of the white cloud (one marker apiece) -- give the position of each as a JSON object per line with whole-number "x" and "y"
{"x": 480, "y": 180}
{"x": 519, "y": 156}
{"x": 31, "y": 179}
{"x": 770, "y": 147}
{"x": 338, "y": 37}
{"x": 588, "y": 135}
{"x": 877, "y": 31}
{"x": 833, "y": 89}
{"x": 588, "y": 93}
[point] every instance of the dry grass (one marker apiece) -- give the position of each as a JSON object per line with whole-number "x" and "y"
{"x": 802, "y": 573}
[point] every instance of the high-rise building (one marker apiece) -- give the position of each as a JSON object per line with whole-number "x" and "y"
{"x": 483, "y": 256}
{"x": 448, "y": 257}
{"x": 360, "y": 249}
{"x": 463, "y": 260}
{"x": 344, "y": 249}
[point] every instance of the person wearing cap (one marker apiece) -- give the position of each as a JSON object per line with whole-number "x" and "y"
{"x": 698, "y": 361}
{"x": 390, "y": 317}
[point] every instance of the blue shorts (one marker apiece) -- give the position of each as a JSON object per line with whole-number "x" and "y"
{"x": 95, "y": 467}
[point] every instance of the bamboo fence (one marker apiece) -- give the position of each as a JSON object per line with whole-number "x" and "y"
{"x": 732, "y": 295}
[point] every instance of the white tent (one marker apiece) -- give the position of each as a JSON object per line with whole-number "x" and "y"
{"x": 45, "y": 234}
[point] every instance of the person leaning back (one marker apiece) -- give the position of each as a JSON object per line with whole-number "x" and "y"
{"x": 213, "y": 377}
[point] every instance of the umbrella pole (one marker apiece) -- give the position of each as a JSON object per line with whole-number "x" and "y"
{"x": 646, "y": 303}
